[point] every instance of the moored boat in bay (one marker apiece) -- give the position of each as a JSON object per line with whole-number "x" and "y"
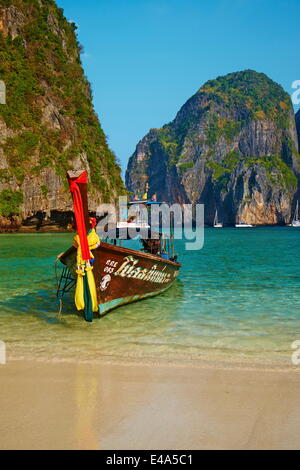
{"x": 296, "y": 220}
{"x": 217, "y": 223}
{"x": 121, "y": 275}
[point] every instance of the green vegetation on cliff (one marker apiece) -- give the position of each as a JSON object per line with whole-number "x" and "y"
{"x": 256, "y": 92}
{"x": 277, "y": 171}
{"x": 10, "y": 202}
{"x": 41, "y": 64}
{"x": 218, "y": 127}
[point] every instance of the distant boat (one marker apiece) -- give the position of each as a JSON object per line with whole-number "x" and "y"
{"x": 242, "y": 225}
{"x": 296, "y": 220}
{"x": 217, "y": 224}
{"x": 136, "y": 220}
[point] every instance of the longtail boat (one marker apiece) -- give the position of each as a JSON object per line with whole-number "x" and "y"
{"x": 111, "y": 275}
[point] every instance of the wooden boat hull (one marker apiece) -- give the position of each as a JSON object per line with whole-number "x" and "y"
{"x": 123, "y": 275}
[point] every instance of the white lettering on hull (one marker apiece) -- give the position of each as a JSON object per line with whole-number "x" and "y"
{"x": 130, "y": 269}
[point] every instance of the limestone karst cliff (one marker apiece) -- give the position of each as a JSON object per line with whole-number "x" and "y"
{"x": 232, "y": 146}
{"x": 297, "y": 117}
{"x": 48, "y": 124}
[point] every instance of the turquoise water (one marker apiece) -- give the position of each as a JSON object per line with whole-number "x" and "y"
{"x": 236, "y": 300}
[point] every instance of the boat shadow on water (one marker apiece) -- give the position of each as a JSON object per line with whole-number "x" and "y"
{"x": 43, "y": 305}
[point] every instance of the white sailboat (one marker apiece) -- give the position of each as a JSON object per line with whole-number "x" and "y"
{"x": 296, "y": 220}
{"x": 217, "y": 224}
{"x": 242, "y": 224}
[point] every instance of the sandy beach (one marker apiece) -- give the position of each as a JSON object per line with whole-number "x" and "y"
{"x": 112, "y": 406}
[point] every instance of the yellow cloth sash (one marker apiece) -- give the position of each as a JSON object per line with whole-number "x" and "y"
{"x": 85, "y": 269}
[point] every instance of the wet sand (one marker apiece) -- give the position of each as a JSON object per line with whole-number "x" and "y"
{"x": 108, "y": 406}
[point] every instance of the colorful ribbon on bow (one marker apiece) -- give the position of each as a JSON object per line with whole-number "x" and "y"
{"x": 79, "y": 214}
{"x": 85, "y": 293}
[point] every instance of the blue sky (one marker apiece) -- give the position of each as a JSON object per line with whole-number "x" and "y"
{"x": 145, "y": 58}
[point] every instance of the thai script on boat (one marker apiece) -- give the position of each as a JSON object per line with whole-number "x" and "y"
{"x": 129, "y": 269}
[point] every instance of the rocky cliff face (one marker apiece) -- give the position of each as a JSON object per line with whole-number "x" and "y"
{"x": 48, "y": 124}
{"x": 232, "y": 146}
{"x": 297, "y": 117}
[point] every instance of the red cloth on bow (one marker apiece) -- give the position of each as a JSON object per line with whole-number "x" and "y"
{"x": 79, "y": 214}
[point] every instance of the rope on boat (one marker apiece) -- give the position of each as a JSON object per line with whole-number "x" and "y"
{"x": 64, "y": 284}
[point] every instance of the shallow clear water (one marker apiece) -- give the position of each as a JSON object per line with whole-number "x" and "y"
{"x": 236, "y": 300}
